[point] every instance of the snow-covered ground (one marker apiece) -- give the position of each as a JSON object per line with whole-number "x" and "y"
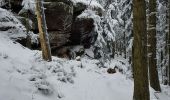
{"x": 25, "y": 76}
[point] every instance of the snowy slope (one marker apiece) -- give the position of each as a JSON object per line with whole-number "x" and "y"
{"x": 91, "y": 85}
{"x": 19, "y": 65}
{"x": 9, "y": 22}
{"x": 13, "y": 85}
{"x": 25, "y": 76}
{"x": 23, "y": 72}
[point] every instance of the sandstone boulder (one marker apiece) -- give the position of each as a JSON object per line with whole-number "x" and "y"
{"x": 59, "y": 21}
{"x": 82, "y": 32}
{"x": 16, "y": 5}
{"x": 64, "y": 26}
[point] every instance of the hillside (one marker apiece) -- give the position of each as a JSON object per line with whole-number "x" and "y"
{"x": 98, "y": 51}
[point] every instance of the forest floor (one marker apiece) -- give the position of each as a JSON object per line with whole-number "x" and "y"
{"x": 25, "y": 76}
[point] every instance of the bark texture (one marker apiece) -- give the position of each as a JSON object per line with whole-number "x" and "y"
{"x": 153, "y": 73}
{"x": 169, "y": 40}
{"x": 44, "y": 41}
{"x": 141, "y": 86}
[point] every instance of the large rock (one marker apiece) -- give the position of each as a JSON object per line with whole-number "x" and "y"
{"x": 78, "y": 9}
{"x": 16, "y": 2}
{"x": 83, "y": 28}
{"x": 69, "y": 2}
{"x": 16, "y": 5}
{"x": 58, "y": 16}
{"x": 64, "y": 27}
{"x": 82, "y": 32}
{"x": 59, "y": 21}
{"x": 57, "y": 39}
{"x": 9, "y": 22}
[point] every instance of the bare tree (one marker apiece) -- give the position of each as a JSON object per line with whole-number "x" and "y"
{"x": 46, "y": 50}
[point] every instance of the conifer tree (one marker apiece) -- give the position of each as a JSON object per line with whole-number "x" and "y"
{"x": 153, "y": 73}
{"x": 141, "y": 86}
{"x": 169, "y": 40}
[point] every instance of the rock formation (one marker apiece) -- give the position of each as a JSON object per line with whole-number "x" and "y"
{"x": 64, "y": 27}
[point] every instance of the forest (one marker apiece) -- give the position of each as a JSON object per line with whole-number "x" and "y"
{"x": 84, "y": 49}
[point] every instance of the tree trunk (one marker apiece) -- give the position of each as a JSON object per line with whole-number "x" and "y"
{"x": 113, "y": 49}
{"x": 141, "y": 85}
{"x": 153, "y": 73}
{"x": 124, "y": 42}
{"x": 46, "y": 51}
{"x": 169, "y": 40}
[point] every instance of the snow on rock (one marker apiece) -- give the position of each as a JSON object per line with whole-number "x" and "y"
{"x": 91, "y": 3}
{"x": 8, "y": 22}
{"x": 29, "y": 5}
{"x": 2, "y": 3}
{"x": 97, "y": 23}
{"x": 89, "y": 14}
